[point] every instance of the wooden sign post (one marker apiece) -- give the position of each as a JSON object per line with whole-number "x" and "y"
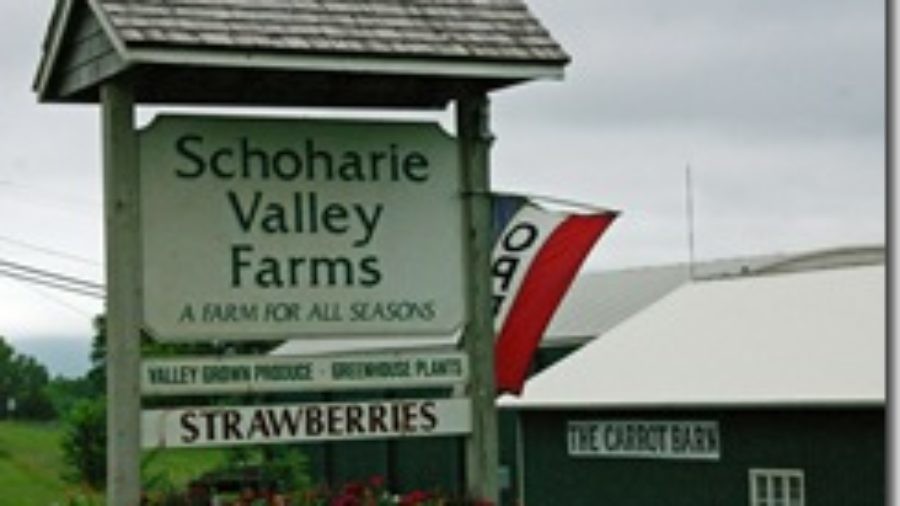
{"x": 340, "y": 54}
{"x": 123, "y": 301}
{"x": 482, "y": 453}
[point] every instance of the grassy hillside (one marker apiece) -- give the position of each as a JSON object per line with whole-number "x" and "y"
{"x": 31, "y": 466}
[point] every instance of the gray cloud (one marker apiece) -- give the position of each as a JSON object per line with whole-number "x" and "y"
{"x": 778, "y": 105}
{"x": 754, "y": 67}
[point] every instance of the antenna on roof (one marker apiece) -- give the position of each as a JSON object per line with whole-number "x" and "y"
{"x": 689, "y": 213}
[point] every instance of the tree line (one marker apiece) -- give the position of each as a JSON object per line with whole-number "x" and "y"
{"x": 25, "y": 386}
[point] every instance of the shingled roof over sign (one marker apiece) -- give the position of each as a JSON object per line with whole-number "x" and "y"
{"x": 435, "y": 48}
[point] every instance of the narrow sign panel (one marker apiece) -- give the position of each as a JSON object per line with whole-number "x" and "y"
{"x": 186, "y": 376}
{"x": 212, "y": 426}
{"x": 650, "y": 439}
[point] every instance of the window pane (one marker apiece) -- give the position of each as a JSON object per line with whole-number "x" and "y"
{"x": 794, "y": 488}
{"x": 762, "y": 488}
{"x": 778, "y": 487}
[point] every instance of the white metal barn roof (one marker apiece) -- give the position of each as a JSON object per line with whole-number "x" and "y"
{"x": 806, "y": 338}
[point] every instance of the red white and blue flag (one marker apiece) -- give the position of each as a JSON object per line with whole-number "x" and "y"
{"x": 537, "y": 253}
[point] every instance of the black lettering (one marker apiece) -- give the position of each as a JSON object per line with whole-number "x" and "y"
{"x": 257, "y": 424}
{"x": 268, "y": 275}
{"x": 216, "y": 167}
{"x": 429, "y": 416}
{"x": 187, "y": 424}
{"x": 375, "y": 158}
{"x": 210, "y": 424}
{"x": 504, "y": 269}
{"x": 334, "y": 218}
{"x": 370, "y": 274}
{"x": 415, "y": 167}
{"x": 314, "y": 156}
{"x": 284, "y": 421}
{"x": 248, "y": 155}
{"x": 377, "y": 413}
{"x": 181, "y": 145}
{"x": 238, "y": 262}
{"x": 230, "y": 421}
{"x": 334, "y": 420}
{"x": 314, "y": 423}
{"x": 522, "y": 236}
{"x": 245, "y": 217}
{"x": 409, "y": 415}
{"x": 328, "y": 270}
{"x": 354, "y": 420}
{"x": 290, "y": 172}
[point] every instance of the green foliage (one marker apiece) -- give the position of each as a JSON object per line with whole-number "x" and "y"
{"x": 289, "y": 468}
{"x": 64, "y": 393}
{"x": 84, "y": 442}
{"x": 24, "y": 380}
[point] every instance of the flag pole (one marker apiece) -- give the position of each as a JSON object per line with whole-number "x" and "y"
{"x": 689, "y": 213}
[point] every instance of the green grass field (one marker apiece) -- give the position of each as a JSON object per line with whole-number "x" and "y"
{"x": 31, "y": 466}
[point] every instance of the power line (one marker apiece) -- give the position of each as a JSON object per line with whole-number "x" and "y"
{"x": 42, "y": 277}
{"x": 51, "y": 284}
{"x": 60, "y": 302}
{"x": 53, "y": 276}
{"x": 49, "y": 251}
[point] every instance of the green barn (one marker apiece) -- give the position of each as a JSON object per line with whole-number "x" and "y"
{"x": 764, "y": 389}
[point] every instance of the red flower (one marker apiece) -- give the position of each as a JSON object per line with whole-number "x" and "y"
{"x": 353, "y": 488}
{"x": 376, "y": 481}
{"x": 345, "y": 500}
{"x": 414, "y": 498}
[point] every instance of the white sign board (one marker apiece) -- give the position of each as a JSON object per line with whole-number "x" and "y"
{"x": 233, "y": 426}
{"x": 208, "y": 375}
{"x": 278, "y": 228}
{"x": 649, "y": 439}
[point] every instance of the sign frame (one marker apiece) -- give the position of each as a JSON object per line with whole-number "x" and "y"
{"x": 308, "y": 228}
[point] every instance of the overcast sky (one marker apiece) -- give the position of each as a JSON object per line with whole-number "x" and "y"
{"x": 777, "y": 106}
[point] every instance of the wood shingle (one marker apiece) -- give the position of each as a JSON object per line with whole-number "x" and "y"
{"x": 432, "y": 48}
{"x": 490, "y": 29}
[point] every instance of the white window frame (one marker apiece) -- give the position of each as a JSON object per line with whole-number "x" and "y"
{"x": 771, "y": 476}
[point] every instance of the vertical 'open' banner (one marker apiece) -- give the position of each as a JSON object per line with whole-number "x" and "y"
{"x": 535, "y": 258}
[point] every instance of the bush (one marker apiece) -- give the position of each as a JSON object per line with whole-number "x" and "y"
{"x": 84, "y": 442}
